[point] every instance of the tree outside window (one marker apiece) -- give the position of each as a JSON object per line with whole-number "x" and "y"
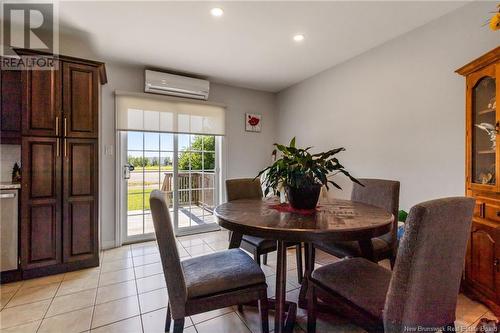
{"x": 199, "y": 161}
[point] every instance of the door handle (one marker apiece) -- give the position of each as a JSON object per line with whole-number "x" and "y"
{"x": 127, "y": 168}
{"x": 57, "y": 126}
{"x": 65, "y": 128}
{"x": 57, "y": 147}
{"x": 7, "y": 196}
{"x": 64, "y": 147}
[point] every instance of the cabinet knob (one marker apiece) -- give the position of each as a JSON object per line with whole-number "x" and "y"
{"x": 498, "y": 213}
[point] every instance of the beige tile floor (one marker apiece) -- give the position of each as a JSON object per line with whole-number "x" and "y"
{"x": 127, "y": 294}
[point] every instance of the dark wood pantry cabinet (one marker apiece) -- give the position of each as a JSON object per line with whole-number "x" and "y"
{"x": 58, "y": 112}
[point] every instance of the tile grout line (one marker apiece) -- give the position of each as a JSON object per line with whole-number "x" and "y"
{"x": 23, "y": 304}
{"x": 50, "y": 304}
{"x": 95, "y": 296}
{"x": 245, "y": 323}
{"x": 477, "y": 319}
{"x": 137, "y": 293}
{"x": 13, "y": 295}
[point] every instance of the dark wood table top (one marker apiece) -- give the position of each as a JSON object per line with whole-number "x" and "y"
{"x": 334, "y": 220}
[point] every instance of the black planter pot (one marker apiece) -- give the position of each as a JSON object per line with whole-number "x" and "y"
{"x": 304, "y": 197}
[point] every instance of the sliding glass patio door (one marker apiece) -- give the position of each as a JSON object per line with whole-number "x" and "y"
{"x": 184, "y": 166}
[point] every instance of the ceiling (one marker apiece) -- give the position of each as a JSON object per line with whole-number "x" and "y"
{"x": 251, "y": 45}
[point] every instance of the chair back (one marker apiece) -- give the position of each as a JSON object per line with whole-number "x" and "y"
{"x": 426, "y": 278}
{"x": 172, "y": 269}
{"x": 381, "y": 193}
{"x": 243, "y": 188}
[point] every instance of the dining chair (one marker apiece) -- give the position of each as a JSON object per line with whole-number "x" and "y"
{"x": 383, "y": 194}
{"x": 421, "y": 293}
{"x": 250, "y": 188}
{"x": 207, "y": 282}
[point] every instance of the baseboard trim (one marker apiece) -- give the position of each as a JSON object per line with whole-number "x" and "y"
{"x": 106, "y": 245}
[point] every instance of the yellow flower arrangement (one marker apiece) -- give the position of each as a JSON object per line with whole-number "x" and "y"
{"x": 495, "y": 20}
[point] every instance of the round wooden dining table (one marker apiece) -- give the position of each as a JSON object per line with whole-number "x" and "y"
{"x": 335, "y": 220}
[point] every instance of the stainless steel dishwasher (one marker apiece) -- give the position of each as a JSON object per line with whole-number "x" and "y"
{"x": 8, "y": 230}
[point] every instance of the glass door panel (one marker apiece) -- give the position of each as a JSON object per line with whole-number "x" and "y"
{"x": 196, "y": 180}
{"x": 149, "y": 168}
{"x": 181, "y": 165}
{"x": 484, "y": 132}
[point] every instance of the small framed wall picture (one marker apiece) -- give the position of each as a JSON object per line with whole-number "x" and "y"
{"x": 253, "y": 122}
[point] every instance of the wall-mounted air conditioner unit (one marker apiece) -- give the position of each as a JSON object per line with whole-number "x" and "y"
{"x": 175, "y": 85}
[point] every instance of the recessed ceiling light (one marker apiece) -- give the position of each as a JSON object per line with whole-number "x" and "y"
{"x": 299, "y": 37}
{"x": 217, "y": 12}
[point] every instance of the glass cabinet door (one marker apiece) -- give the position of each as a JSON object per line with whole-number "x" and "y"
{"x": 484, "y": 131}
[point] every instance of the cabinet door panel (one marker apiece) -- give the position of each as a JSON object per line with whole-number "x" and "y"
{"x": 41, "y": 202}
{"x": 80, "y": 199}
{"x": 41, "y": 102}
{"x": 80, "y": 91}
{"x": 43, "y": 233}
{"x": 82, "y": 227}
{"x": 43, "y": 173}
{"x": 10, "y": 106}
{"x": 482, "y": 258}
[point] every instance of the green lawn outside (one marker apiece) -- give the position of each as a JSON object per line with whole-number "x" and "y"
{"x": 135, "y": 198}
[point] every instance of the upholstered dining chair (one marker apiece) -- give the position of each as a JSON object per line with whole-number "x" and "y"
{"x": 421, "y": 293}
{"x": 383, "y": 194}
{"x": 249, "y": 188}
{"x": 208, "y": 282}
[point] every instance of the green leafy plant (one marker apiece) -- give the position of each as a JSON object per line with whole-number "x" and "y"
{"x": 298, "y": 168}
{"x": 402, "y": 215}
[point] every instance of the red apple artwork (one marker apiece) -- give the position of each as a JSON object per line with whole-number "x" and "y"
{"x": 253, "y": 122}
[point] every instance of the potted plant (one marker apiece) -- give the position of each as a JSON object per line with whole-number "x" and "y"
{"x": 302, "y": 174}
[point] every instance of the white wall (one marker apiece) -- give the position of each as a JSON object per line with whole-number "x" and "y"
{"x": 9, "y": 155}
{"x": 246, "y": 152}
{"x": 397, "y": 109}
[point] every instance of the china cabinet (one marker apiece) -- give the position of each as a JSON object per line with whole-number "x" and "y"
{"x": 482, "y": 267}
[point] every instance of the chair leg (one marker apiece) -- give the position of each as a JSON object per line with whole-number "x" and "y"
{"x": 298, "y": 250}
{"x": 313, "y": 257}
{"x": 178, "y": 325}
{"x": 393, "y": 261}
{"x": 240, "y": 307}
{"x": 256, "y": 257}
{"x": 264, "y": 259}
{"x": 264, "y": 312}
{"x": 311, "y": 308}
{"x": 168, "y": 321}
{"x": 450, "y": 328}
{"x": 393, "y": 257}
